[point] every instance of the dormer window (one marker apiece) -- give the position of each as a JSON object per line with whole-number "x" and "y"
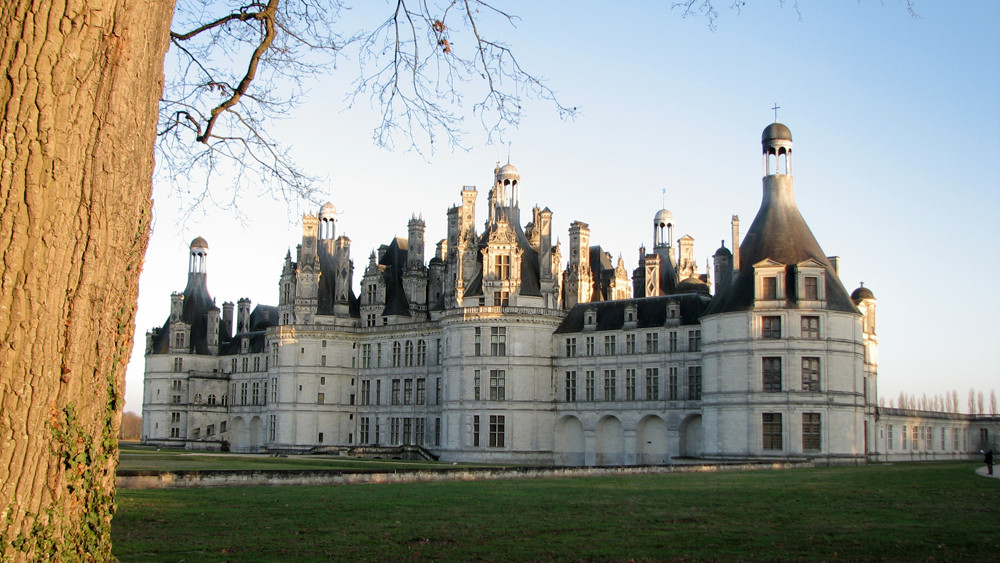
{"x": 769, "y": 288}
{"x": 244, "y": 346}
{"x": 769, "y": 282}
{"x": 810, "y": 281}
{"x": 810, "y": 287}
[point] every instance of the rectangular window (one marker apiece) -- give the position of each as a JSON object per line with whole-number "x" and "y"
{"x": 772, "y": 375}
{"x": 498, "y": 341}
{"x": 256, "y": 363}
{"x": 955, "y": 438}
{"x": 694, "y": 383}
{"x": 502, "y": 264}
{"x": 437, "y": 391}
{"x": 810, "y": 374}
{"x": 629, "y": 384}
{"x": 272, "y": 426}
{"x": 609, "y": 345}
{"x": 653, "y": 342}
{"x": 478, "y": 341}
{"x": 256, "y": 392}
{"x": 178, "y": 365}
{"x": 394, "y": 431}
{"x": 496, "y": 431}
{"x": 175, "y": 432}
{"x": 811, "y": 287}
{"x": 501, "y": 299}
{"x": 395, "y": 392}
{"x": 769, "y": 288}
{"x": 475, "y": 430}
{"x": 589, "y": 385}
{"x": 378, "y": 434}
{"x": 810, "y": 431}
{"x": 366, "y": 392}
{"x": 407, "y": 391}
{"x": 437, "y": 431}
{"x": 673, "y": 341}
{"x": 610, "y": 380}
{"x": 673, "y": 384}
{"x": 274, "y": 390}
{"x": 408, "y": 354}
{"x": 771, "y": 426}
{"x": 570, "y": 386}
{"x": 904, "y": 438}
{"x": 438, "y": 353}
{"x": 944, "y": 438}
{"x": 653, "y": 384}
{"x": 418, "y": 431}
{"x": 889, "y": 438}
{"x": 274, "y": 354}
{"x": 246, "y": 364}
{"x": 810, "y": 327}
{"x": 570, "y": 347}
{"x": 366, "y": 355}
{"x": 590, "y": 345}
{"x": 210, "y": 430}
{"x": 243, "y": 393}
{"x": 771, "y": 327}
{"x": 397, "y": 353}
{"x": 694, "y": 340}
{"x": 378, "y": 394}
{"x": 175, "y": 417}
{"x": 320, "y": 398}
{"x": 378, "y": 354}
{"x": 407, "y": 431}
{"x": 363, "y": 431}
{"x": 914, "y": 442}
{"x": 477, "y": 385}
{"x": 498, "y": 383}
{"x": 630, "y": 344}
{"x": 930, "y": 438}
{"x": 421, "y": 391}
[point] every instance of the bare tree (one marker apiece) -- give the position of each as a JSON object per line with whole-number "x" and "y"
{"x": 972, "y": 401}
{"x": 417, "y": 65}
{"x": 980, "y": 403}
{"x": 993, "y": 402}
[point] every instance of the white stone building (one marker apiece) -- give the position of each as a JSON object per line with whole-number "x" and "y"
{"x": 491, "y": 351}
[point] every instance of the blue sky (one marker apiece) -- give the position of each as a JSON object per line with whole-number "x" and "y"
{"x": 896, "y": 123}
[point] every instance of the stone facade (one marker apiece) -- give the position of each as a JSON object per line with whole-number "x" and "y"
{"x": 491, "y": 351}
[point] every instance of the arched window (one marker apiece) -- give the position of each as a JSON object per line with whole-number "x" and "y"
{"x": 421, "y": 353}
{"x": 409, "y": 353}
{"x": 396, "y": 352}
{"x": 197, "y": 398}
{"x": 211, "y": 399}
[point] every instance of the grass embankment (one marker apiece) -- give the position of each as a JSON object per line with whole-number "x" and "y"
{"x": 899, "y": 512}
{"x": 139, "y": 458}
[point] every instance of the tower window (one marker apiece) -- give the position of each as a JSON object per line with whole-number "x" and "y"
{"x": 769, "y": 288}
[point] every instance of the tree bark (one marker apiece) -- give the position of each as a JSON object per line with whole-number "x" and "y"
{"x": 79, "y": 86}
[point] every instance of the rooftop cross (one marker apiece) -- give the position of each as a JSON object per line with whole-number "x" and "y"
{"x": 776, "y": 108}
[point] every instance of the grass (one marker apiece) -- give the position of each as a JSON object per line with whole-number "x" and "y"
{"x": 940, "y": 511}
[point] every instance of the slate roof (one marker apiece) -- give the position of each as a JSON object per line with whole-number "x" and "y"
{"x": 394, "y": 260}
{"x": 651, "y": 312}
{"x": 778, "y": 233}
{"x": 197, "y": 302}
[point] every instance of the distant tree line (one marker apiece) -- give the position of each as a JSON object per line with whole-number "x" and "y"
{"x": 948, "y": 402}
{"x": 131, "y": 428}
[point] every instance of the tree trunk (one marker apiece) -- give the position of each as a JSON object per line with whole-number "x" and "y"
{"x": 78, "y": 108}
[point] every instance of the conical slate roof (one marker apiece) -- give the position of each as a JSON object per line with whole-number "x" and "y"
{"x": 778, "y": 233}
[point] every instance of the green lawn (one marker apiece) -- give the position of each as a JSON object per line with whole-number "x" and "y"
{"x": 939, "y": 511}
